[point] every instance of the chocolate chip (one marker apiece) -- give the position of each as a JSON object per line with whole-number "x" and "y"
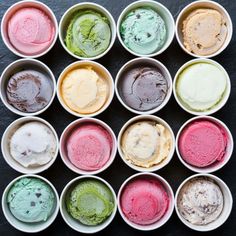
{"x": 149, "y": 35}
{"x": 32, "y": 204}
{"x": 138, "y": 16}
{"x": 38, "y": 195}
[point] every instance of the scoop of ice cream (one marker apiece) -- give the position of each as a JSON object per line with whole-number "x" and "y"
{"x": 143, "y": 31}
{"x": 143, "y": 88}
{"x": 201, "y": 86}
{"x": 202, "y": 143}
{"x": 90, "y": 202}
{"x": 146, "y": 144}
{"x": 29, "y": 91}
{"x": 144, "y": 201}
{"x": 84, "y": 91}
{"x": 33, "y": 144}
{"x": 30, "y": 31}
{"x": 89, "y": 147}
{"x": 88, "y": 34}
{"x": 204, "y": 31}
{"x": 31, "y": 200}
{"x": 200, "y": 201}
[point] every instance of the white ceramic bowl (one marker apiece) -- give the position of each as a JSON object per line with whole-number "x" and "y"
{"x": 168, "y": 213}
{"x": 27, "y": 227}
{"x": 218, "y": 106}
{"x": 65, "y": 20}
{"x": 228, "y": 204}
{"x": 145, "y": 62}
{"x": 146, "y": 118}
{"x": 162, "y": 11}
{"x": 6, "y": 149}
{"x": 203, "y": 4}
{"x": 229, "y": 149}
{"x": 21, "y": 65}
{"x": 67, "y": 132}
{"x": 101, "y": 70}
{"x": 75, "y": 224}
{"x": 23, "y": 4}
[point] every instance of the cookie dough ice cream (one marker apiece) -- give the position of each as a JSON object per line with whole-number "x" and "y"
{"x": 146, "y": 143}
{"x": 200, "y": 201}
{"x": 143, "y": 88}
{"x": 201, "y": 86}
{"x": 31, "y": 200}
{"x": 90, "y": 202}
{"x": 143, "y": 31}
{"x": 88, "y": 34}
{"x": 204, "y": 31}
{"x": 33, "y": 144}
{"x": 29, "y": 91}
{"x": 84, "y": 90}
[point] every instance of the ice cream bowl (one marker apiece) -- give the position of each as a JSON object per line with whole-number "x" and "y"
{"x": 5, "y": 146}
{"x": 20, "y": 66}
{"x": 101, "y": 72}
{"x": 219, "y": 104}
{"x": 164, "y": 14}
{"x": 217, "y": 164}
{"x": 227, "y": 207}
{"x": 143, "y": 62}
{"x": 168, "y": 194}
{"x": 76, "y": 224}
{"x": 66, "y": 19}
{"x": 147, "y": 164}
{"x": 28, "y": 4}
{"x": 86, "y": 167}
{"x": 203, "y": 4}
{"x": 29, "y": 227}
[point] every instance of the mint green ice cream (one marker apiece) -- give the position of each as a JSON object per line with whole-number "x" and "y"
{"x": 91, "y": 202}
{"x": 88, "y": 34}
{"x": 143, "y": 31}
{"x": 31, "y": 200}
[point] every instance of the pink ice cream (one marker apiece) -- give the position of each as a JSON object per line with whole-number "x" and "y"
{"x": 89, "y": 147}
{"x": 30, "y": 31}
{"x": 144, "y": 201}
{"x": 203, "y": 143}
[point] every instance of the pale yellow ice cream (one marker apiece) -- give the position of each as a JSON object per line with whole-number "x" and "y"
{"x": 84, "y": 91}
{"x": 146, "y": 143}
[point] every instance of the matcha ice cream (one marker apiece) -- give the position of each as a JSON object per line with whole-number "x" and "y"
{"x": 31, "y": 200}
{"x": 88, "y": 34}
{"x": 90, "y": 202}
{"x": 143, "y": 31}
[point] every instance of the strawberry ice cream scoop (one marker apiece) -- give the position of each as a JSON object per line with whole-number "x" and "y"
{"x": 203, "y": 143}
{"x": 144, "y": 201}
{"x": 30, "y": 31}
{"x": 89, "y": 147}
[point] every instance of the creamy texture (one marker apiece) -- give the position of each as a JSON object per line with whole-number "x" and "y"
{"x": 88, "y": 34}
{"x": 33, "y": 144}
{"x": 30, "y": 31}
{"x": 29, "y": 91}
{"x": 144, "y": 201}
{"x": 84, "y": 90}
{"x": 89, "y": 147}
{"x": 203, "y": 143}
{"x": 143, "y": 31}
{"x": 201, "y": 86}
{"x": 91, "y": 202}
{"x": 200, "y": 201}
{"x": 143, "y": 88}
{"x": 146, "y": 143}
{"x": 204, "y": 31}
{"x": 31, "y": 200}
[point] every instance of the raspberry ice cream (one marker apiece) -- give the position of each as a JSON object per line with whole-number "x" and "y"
{"x": 30, "y": 31}
{"x": 89, "y": 147}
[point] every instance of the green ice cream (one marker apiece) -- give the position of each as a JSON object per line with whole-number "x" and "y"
{"x": 90, "y": 202}
{"x": 88, "y": 34}
{"x": 143, "y": 31}
{"x": 31, "y": 200}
